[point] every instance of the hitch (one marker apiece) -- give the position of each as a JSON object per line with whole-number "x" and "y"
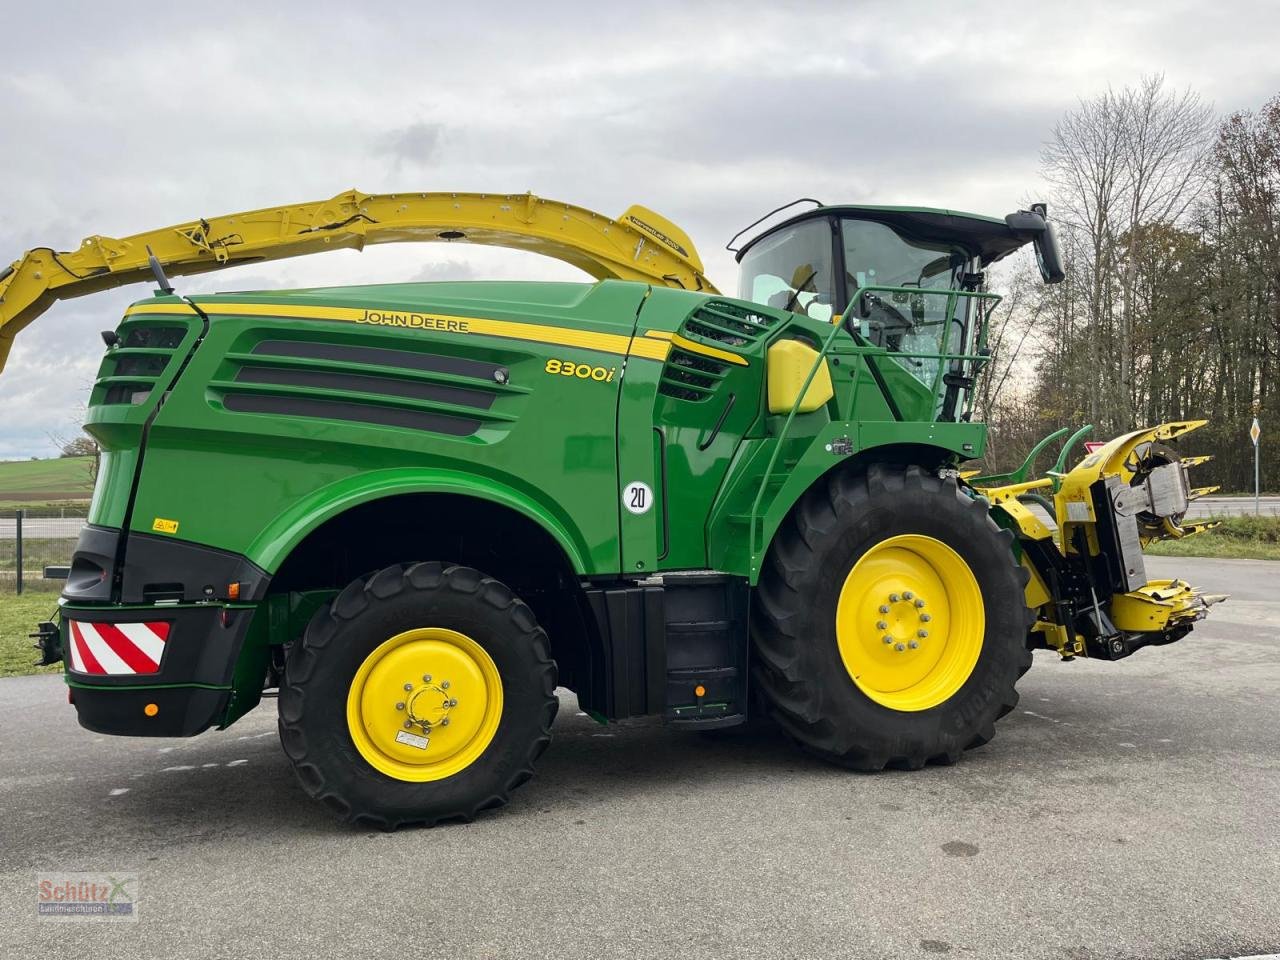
{"x": 48, "y": 641}
{"x": 1119, "y": 646}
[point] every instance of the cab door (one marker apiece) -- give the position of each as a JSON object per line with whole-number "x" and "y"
{"x": 691, "y": 392}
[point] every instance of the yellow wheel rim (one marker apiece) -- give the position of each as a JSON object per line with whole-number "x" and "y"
{"x": 425, "y": 704}
{"x": 910, "y": 622}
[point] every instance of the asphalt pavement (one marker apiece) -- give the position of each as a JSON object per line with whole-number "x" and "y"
{"x": 1207, "y": 507}
{"x": 1124, "y": 810}
{"x": 54, "y": 528}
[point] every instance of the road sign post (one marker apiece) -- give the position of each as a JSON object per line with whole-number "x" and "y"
{"x": 1255, "y": 433}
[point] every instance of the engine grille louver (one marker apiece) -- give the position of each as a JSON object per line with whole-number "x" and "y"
{"x": 131, "y": 370}
{"x": 408, "y": 389}
{"x": 726, "y": 326}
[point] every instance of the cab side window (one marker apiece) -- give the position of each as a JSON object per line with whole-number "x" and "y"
{"x": 793, "y": 271}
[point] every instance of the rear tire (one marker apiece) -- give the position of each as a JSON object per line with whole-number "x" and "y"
{"x": 802, "y": 667}
{"x": 344, "y": 741}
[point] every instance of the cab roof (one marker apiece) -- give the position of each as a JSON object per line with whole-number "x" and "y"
{"x": 988, "y": 238}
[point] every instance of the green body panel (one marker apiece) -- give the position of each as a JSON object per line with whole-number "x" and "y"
{"x": 858, "y": 419}
{"x": 118, "y": 426}
{"x": 288, "y": 528}
{"x": 806, "y": 461}
{"x": 558, "y": 448}
{"x": 672, "y": 445}
{"x": 115, "y": 477}
{"x": 257, "y": 483}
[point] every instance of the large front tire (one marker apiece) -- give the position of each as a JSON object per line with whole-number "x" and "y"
{"x": 420, "y": 694}
{"x": 891, "y": 624}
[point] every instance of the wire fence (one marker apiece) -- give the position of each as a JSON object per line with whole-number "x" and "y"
{"x": 36, "y": 547}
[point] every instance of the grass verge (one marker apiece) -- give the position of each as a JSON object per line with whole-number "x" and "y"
{"x": 18, "y": 617}
{"x": 1236, "y": 538}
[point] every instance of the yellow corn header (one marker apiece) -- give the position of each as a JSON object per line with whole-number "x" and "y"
{"x": 1129, "y": 492}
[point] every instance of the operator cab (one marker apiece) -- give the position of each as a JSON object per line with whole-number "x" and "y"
{"x": 906, "y": 279}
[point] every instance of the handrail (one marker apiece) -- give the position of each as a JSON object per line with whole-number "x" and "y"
{"x": 1019, "y": 475}
{"x": 1066, "y": 447}
{"x": 777, "y": 447}
{"x": 867, "y": 351}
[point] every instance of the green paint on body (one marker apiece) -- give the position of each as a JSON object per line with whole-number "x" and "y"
{"x": 266, "y": 415}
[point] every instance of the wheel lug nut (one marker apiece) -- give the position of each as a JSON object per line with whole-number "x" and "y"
{"x": 444, "y": 684}
{"x": 408, "y": 725}
{"x": 913, "y": 644}
{"x": 894, "y": 598}
{"x": 887, "y": 639}
{"x": 400, "y": 705}
{"x": 881, "y": 625}
{"x": 444, "y": 722}
{"x": 922, "y": 633}
{"x": 426, "y": 678}
{"x": 453, "y": 702}
{"x": 919, "y": 603}
{"x": 899, "y": 647}
{"x": 925, "y": 618}
{"x": 907, "y": 594}
{"x": 883, "y": 608}
{"x": 408, "y": 686}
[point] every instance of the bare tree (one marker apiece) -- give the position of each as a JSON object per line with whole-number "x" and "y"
{"x": 1243, "y": 224}
{"x": 1084, "y": 163}
{"x": 1165, "y": 152}
{"x": 1118, "y": 163}
{"x": 1170, "y": 223}
{"x": 80, "y": 447}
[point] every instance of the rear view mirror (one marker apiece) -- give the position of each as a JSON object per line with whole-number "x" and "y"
{"x": 1035, "y": 225}
{"x": 1048, "y": 253}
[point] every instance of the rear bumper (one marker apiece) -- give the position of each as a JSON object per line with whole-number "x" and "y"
{"x": 156, "y": 568}
{"x": 123, "y": 712}
{"x": 175, "y": 680}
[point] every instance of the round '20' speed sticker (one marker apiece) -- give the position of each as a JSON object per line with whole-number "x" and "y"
{"x": 637, "y": 497}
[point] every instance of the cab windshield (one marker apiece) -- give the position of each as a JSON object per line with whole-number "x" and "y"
{"x": 796, "y": 269}
{"x": 876, "y": 255}
{"x": 792, "y": 270}
{"x": 899, "y": 319}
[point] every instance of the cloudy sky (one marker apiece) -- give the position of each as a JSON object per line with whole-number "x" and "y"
{"x": 116, "y": 121}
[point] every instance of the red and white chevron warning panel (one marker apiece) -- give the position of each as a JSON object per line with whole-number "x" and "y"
{"x": 117, "y": 648}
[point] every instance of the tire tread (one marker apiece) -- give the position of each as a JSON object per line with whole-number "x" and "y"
{"x": 352, "y": 601}
{"x": 796, "y": 700}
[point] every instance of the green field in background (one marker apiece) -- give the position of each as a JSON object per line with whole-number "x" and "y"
{"x": 43, "y": 482}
